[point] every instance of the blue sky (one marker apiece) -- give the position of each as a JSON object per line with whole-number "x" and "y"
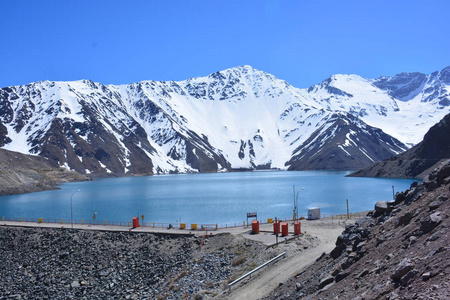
{"x": 303, "y": 42}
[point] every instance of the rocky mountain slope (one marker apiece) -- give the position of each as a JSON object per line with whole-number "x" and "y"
{"x": 399, "y": 251}
{"x": 239, "y": 118}
{"x": 20, "y": 173}
{"x": 343, "y": 142}
{"x": 417, "y": 161}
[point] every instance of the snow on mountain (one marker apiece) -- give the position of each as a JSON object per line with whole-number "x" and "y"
{"x": 239, "y": 118}
{"x": 411, "y": 102}
{"x": 343, "y": 141}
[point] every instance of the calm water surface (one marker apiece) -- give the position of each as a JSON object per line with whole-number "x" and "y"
{"x": 204, "y": 198}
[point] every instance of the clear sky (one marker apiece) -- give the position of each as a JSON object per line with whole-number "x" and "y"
{"x": 303, "y": 42}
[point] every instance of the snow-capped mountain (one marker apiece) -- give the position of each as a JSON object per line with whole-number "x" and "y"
{"x": 404, "y": 106}
{"x": 239, "y": 118}
{"x": 343, "y": 139}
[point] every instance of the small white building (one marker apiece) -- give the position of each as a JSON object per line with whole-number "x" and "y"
{"x": 313, "y": 213}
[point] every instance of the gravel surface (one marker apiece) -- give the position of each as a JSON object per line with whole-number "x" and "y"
{"x": 40, "y": 263}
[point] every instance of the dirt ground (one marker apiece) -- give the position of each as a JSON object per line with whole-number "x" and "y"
{"x": 318, "y": 236}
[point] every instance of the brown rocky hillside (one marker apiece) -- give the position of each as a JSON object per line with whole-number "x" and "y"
{"x": 399, "y": 251}
{"x": 20, "y": 173}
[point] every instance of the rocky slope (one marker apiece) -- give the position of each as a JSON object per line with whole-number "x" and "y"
{"x": 418, "y": 161}
{"x": 20, "y": 173}
{"x": 350, "y": 144}
{"x": 399, "y": 251}
{"x": 239, "y": 118}
{"x": 40, "y": 263}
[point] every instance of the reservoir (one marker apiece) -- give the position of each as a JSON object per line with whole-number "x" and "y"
{"x": 205, "y": 198}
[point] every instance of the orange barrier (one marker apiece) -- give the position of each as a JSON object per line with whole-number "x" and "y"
{"x": 255, "y": 227}
{"x": 284, "y": 229}
{"x": 297, "y": 228}
{"x": 276, "y": 227}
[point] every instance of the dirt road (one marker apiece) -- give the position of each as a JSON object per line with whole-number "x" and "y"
{"x": 269, "y": 278}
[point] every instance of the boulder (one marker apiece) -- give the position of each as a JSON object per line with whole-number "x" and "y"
{"x": 404, "y": 219}
{"x": 438, "y": 202}
{"x": 381, "y": 207}
{"x": 325, "y": 281}
{"x": 402, "y": 269}
{"x": 431, "y": 222}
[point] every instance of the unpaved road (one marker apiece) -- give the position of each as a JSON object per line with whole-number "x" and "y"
{"x": 269, "y": 278}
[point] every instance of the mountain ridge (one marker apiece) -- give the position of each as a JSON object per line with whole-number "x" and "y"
{"x": 239, "y": 118}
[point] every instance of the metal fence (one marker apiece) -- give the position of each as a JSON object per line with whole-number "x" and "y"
{"x": 192, "y": 226}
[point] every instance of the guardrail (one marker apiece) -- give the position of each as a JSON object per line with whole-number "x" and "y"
{"x": 249, "y": 274}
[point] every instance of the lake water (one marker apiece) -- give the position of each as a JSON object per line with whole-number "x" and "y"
{"x": 204, "y": 198}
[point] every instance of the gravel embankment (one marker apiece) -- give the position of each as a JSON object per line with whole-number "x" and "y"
{"x": 42, "y": 263}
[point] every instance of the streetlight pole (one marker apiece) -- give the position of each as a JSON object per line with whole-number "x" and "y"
{"x": 295, "y": 217}
{"x": 71, "y": 208}
{"x": 295, "y": 207}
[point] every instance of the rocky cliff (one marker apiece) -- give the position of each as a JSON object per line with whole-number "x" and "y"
{"x": 399, "y": 251}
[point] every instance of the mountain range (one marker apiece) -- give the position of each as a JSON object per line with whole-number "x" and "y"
{"x": 237, "y": 119}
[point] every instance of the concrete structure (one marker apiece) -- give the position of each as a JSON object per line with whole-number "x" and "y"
{"x": 314, "y": 213}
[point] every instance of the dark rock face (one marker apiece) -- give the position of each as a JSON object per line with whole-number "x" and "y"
{"x": 4, "y": 139}
{"x": 405, "y": 86}
{"x": 333, "y": 147}
{"x": 396, "y": 253}
{"x": 436, "y": 143}
{"x": 402, "y": 86}
{"x": 434, "y": 148}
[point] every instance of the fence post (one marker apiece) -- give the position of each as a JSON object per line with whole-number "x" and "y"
{"x": 62, "y": 221}
{"x": 82, "y": 222}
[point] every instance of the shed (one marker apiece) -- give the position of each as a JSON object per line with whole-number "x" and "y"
{"x": 313, "y": 213}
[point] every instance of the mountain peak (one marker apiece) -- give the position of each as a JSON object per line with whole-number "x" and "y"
{"x": 238, "y": 118}
{"x": 444, "y": 75}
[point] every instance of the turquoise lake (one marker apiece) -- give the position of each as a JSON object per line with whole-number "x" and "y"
{"x": 204, "y": 198}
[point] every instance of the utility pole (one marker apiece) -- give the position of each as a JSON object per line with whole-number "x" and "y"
{"x": 276, "y": 230}
{"x": 295, "y": 207}
{"x": 71, "y": 209}
{"x": 348, "y": 214}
